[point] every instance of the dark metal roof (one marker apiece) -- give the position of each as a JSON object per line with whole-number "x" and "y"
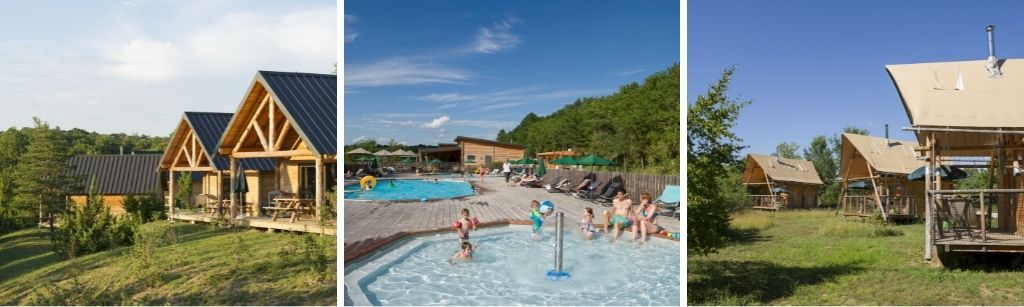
{"x": 311, "y": 102}
{"x": 209, "y": 127}
{"x": 492, "y": 142}
{"x": 117, "y": 174}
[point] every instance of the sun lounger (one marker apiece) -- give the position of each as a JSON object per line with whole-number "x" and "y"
{"x": 610, "y": 192}
{"x": 668, "y": 202}
{"x": 589, "y": 191}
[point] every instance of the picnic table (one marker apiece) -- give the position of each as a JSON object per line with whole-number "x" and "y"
{"x": 295, "y": 206}
{"x": 209, "y": 204}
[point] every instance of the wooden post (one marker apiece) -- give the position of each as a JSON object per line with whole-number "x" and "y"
{"x": 170, "y": 194}
{"x": 319, "y": 198}
{"x": 874, "y": 189}
{"x": 220, "y": 193}
{"x": 231, "y": 190}
{"x": 927, "y": 197}
{"x": 984, "y": 236}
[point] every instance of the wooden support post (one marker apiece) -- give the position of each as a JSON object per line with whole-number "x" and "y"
{"x": 878, "y": 199}
{"x": 984, "y": 213}
{"x": 234, "y": 198}
{"x": 319, "y": 186}
{"x": 220, "y": 194}
{"x": 170, "y": 195}
{"x": 927, "y": 199}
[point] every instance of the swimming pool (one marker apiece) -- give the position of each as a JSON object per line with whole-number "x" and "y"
{"x": 411, "y": 189}
{"x": 509, "y": 269}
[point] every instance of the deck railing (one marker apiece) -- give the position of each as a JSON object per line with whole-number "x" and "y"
{"x": 866, "y": 205}
{"x": 765, "y": 202}
{"x": 975, "y": 216}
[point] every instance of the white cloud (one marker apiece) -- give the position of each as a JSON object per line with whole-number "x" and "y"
{"x": 350, "y": 35}
{"x": 438, "y": 123}
{"x": 496, "y": 38}
{"x": 358, "y": 138}
{"x": 240, "y": 42}
{"x": 627, "y": 72}
{"x": 446, "y": 97}
{"x": 148, "y": 60}
{"x": 401, "y": 72}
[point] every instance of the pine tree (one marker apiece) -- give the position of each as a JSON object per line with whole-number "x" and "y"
{"x": 41, "y": 178}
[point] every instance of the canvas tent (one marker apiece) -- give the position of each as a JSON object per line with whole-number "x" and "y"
{"x": 797, "y": 179}
{"x": 883, "y": 164}
{"x": 959, "y": 111}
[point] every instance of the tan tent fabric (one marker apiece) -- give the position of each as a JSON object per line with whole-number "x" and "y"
{"x": 859, "y": 151}
{"x": 779, "y": 169}
{"x": 961, "y": 95}
{"x": 932, "y": 98}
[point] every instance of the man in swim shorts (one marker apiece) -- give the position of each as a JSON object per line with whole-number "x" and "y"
{"x": 620, "y": 218}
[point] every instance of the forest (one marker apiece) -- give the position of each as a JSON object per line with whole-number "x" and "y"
{"x": 638, "y": 126}
{"x": 33, "y": 165}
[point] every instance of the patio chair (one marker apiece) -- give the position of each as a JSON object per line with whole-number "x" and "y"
{"x": 588, "y": 192}
{"x": 583, "y": 185}
{"x": 562, "y": 186}
{"x": 668, "y": 202}
{"x": 610, "y": 191}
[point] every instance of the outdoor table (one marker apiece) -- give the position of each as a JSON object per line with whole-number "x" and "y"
{"x": 294, "y": 205}
{"x": 210, "y": 205}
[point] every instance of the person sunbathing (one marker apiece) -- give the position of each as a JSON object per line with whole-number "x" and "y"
{"x": 583, "y": 185}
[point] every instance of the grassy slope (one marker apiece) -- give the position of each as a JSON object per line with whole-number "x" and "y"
{"x": 207, "y": 266}
{"x": 794, "y": 262}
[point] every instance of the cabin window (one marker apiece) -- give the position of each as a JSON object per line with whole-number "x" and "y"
{"x": 470, "y": 158}
{"x": 488, "y": 159}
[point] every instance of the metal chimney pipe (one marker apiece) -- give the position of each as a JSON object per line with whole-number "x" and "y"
{"x": 991, "y": 42}
{"x": 122, "y": 149}
{"x": 886, "y": 134}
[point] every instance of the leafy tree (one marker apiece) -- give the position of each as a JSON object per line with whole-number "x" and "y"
{"x": 787, "y": 150}
{"x": 976, "y": 179}
{"x": 711, "y": 147}
{"x": 832, "y": 189}
{"x": 820, "y": 155}
{"x": 145, "y": 207}
{"x": 89, "y": 228}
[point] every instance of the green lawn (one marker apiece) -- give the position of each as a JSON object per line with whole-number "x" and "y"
{"x": 202, "y": 265}
{"x": 815, "y": 258}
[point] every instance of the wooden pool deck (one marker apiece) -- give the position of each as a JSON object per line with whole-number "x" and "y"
{"x": 372, "y": 224}
{"x": 262, "y": 223}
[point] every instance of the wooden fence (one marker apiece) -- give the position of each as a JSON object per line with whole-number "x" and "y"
{"x": 633, "y": 183}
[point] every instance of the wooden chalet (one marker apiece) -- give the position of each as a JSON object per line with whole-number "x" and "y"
{"x": 290, "y": 118}
{"x": 549, "y": 156}
{"x": 780, "y": 183}
{"x": 114, "y": 177}
{"x": 193, "y": 150}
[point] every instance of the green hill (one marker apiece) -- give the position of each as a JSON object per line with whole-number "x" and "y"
{"x": 197, "y": 265}
{"x": 637, "y": 126}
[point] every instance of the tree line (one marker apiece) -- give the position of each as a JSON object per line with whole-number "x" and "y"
{"x": 638, "y": 126}
{"x": 34, "y": 177}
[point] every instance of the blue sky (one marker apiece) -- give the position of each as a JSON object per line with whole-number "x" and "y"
{"x": 135, "y": 66}
{"x": 814, "y": 67}
{"x": 428, "y": 71}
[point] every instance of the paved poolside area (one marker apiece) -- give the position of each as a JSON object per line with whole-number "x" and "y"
{"x": 370, "y": 224}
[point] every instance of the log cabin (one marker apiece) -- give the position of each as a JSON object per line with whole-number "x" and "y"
{"x": 780, "y": 183}
{"x": 114, "y": 177}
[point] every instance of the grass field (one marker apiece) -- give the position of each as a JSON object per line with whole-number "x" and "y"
{"x": 816, "y": 258}
{"x": 201, "y": 265}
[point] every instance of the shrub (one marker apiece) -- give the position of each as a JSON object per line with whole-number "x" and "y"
{"x": 90, "y": 228}
{"x": 183, "y": 194}
{"x": 145, "y": 207}
{"x": 142, "y": 256}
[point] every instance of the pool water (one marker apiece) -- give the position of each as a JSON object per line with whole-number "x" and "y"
{"x": 410, "y": 189}
{"x": 509, "y": 269}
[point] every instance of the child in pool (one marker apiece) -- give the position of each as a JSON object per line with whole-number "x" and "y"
{"x": 465, "y": 253}
{"x": 464, "y": 224}
{"x": 536, "y": 217}
{"x": 587, "y": 224}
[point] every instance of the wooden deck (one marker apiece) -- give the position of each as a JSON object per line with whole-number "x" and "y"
{"x": 263, "y": 223}
{"x": 972, "y": 242}
{"x": 371, "y": 224}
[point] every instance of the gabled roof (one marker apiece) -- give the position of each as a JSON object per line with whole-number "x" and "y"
{"x": 898, "y": 157}
{"x": 116, "y": 174}
{"x": 779, "y": 169}
{"x": 491, "y": 142}
{"x": 208, "y": 127}
{"x": 309, "y": 101}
